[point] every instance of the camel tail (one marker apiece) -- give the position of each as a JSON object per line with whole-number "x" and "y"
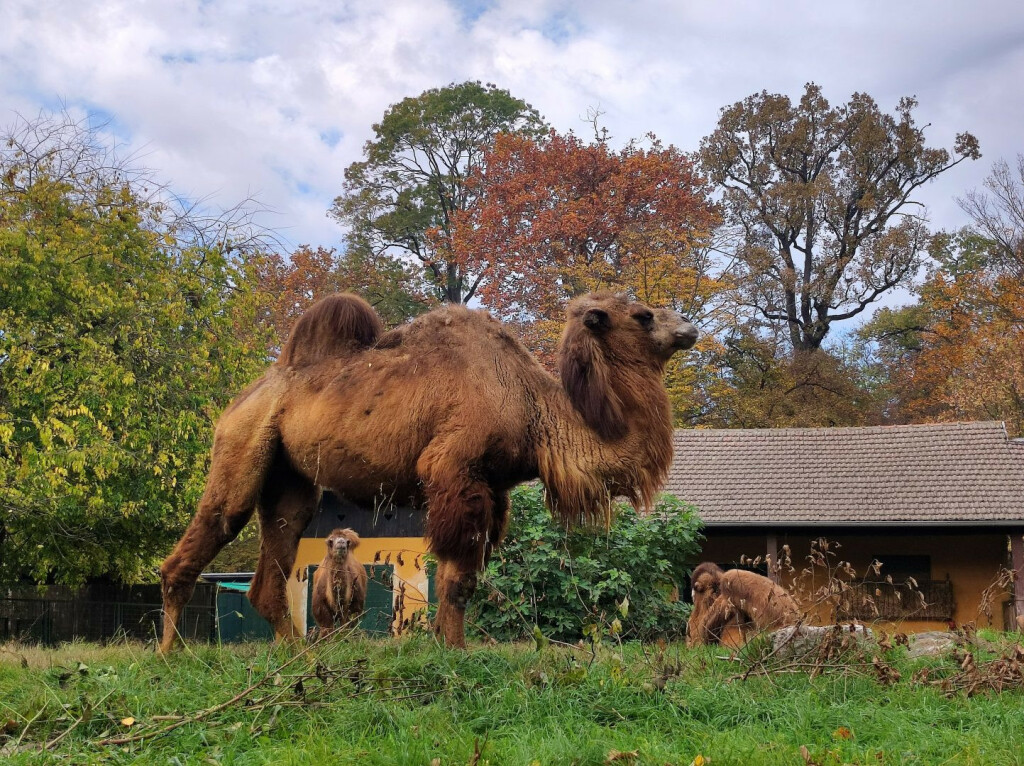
{"x": 335, "y": 326}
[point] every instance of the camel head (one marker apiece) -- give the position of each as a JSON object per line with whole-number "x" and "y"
{"x": 340, "y": 542}
{"x": 630, "y": 328}
{"x": 706, "y": 579}
{"x": 607, "y": 338}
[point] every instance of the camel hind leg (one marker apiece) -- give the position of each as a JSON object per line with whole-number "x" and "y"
{"x": 242, "y": 454}
{"x": 286, "y": 507}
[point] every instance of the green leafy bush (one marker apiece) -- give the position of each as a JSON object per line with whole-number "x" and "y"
{"x": 586, "y": 582}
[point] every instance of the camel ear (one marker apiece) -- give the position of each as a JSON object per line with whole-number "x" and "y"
{"x": 597, "y": 320}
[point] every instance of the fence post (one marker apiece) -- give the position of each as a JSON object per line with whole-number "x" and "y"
{"x": 773, "y": 557}
{"x": 1017, "y": 563}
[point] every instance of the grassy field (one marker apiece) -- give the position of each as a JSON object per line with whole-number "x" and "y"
{"x": 410, "y": 701}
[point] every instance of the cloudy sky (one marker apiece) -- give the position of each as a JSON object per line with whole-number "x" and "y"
{"x": 227, "y": 98}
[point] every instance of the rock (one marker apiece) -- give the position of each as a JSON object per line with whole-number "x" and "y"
{"x": 930, "y": 643}
{"x": 803, "y": 640}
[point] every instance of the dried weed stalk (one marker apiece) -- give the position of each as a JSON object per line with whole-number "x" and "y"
{"x": 1004, "y": 673}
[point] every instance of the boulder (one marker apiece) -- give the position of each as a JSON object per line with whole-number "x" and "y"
{"x": 930, "y": 643}
{"x": 804, "y": 640}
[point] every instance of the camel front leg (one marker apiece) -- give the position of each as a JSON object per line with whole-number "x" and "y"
{"x": 455, "y": 587}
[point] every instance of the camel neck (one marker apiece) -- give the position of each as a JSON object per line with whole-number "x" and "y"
{"x": 584, "y": 472}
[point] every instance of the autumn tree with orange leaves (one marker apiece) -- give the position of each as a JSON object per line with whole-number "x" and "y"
{"x": 558, "y": 217}
{"x": 958, "y": 354}
{"x": 288, "y": 287}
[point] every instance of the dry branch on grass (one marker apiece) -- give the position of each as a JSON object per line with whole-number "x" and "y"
{"x": 316, "y": 684}
{"x": 1004, "y": 673}
{"x": 308, "y": 689}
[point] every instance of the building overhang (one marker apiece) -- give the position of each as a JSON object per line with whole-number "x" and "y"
{"x": 865, "y": 526}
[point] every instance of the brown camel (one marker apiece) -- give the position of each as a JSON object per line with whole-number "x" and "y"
{"x": 446, "y": 413}
{"x": 747, "y": 597}
{"x": 339, "y": 583}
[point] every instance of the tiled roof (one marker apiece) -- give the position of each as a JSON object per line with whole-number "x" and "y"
{"x": 968, "y": 473}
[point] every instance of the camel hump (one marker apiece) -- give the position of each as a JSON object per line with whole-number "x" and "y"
{"x": 337, "y": 325}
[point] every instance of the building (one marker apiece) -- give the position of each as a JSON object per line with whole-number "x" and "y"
{"x": 943, "y": 504}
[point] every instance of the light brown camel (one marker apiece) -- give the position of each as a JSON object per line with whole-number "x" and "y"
{"x": 446, "y": 413}
{"x": 747, "y": 597}
{"x": 339, "y": 583}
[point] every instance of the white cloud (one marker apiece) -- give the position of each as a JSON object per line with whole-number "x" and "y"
{"x": 226, "y": 98}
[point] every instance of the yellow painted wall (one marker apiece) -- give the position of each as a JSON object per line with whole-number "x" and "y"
{"x": 312, "y": 549}
{"x": 971, "y": 562}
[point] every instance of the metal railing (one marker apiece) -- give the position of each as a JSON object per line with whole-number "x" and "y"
{"x": 929, "y": 600}
{"x": 50, "y": 620}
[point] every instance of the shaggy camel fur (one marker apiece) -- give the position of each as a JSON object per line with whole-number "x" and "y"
{"x": 339, "y": 583}
{"x": 749, "y": 598}
{"x": 446, "y": 413}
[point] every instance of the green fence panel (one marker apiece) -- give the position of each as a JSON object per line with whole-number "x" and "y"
{"x": 238, "y": 620}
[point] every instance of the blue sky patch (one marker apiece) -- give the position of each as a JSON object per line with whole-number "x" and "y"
{"x": 471, "y": 10}
{"x": 331, "y": 137}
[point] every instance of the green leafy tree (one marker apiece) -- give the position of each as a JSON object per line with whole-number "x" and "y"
{"x": 822, "y": 201}
{"x": 116, "y": 350}
{"x": 568, "y": 584}
{"x": 413, "y": 178}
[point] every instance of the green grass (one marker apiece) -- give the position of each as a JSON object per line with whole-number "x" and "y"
{"x": 411, "y": 701}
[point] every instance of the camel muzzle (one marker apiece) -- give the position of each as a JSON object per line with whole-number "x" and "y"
{"x": 684, "y": 336}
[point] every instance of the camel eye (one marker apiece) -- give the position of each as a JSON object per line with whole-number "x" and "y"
{"x": 645, "y": 318}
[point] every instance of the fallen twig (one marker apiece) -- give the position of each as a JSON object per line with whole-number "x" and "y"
{"x": 56, "y": 740}
{"x": 209, "y": 711}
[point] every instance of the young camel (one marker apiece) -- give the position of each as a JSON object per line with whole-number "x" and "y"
{"x": 339, "y": 583}
{"x": 748, "y": 598}
{"x": 447, "y": 413}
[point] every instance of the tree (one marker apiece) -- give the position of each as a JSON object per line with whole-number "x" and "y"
{"x": 758, "y": 382}
{"x": 413, "y": 178}
{"x": 289, "y": 287}
{"x": 958, "y": 354}
{"x": 821, "y": 198}
{"x": 567, "y": 585}
{"x": 998, "y": 215}
{"x": 557, "y": 218}
{"x": 116, "y": 350}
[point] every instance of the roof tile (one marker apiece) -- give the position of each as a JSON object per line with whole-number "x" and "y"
{"x": 951, "y": 472}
